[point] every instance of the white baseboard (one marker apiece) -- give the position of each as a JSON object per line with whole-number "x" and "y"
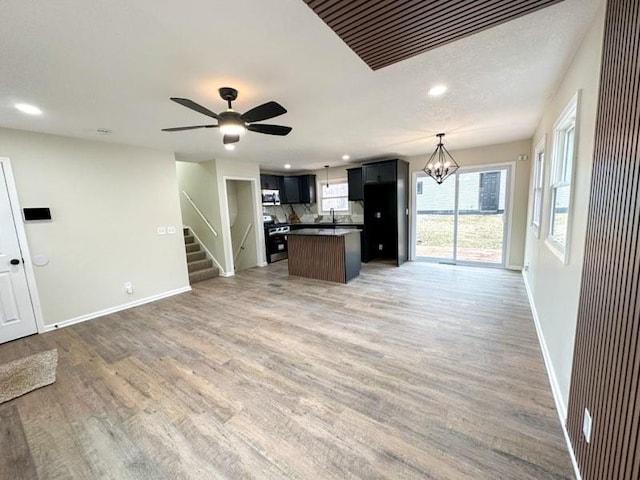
{"x": 263, "y": 264}
{"x": 515, "y": 267}
{"x": 118, "y": 308}
{"x": 227, "y": 274}
{"x": 561, "y": 408}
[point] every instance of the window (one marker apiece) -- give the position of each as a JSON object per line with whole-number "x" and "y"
{"x": 538, "y": 186}
{"x": 564, "y": 151}
{"x": 334, "y": 195}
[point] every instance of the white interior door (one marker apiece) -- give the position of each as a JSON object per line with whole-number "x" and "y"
{"x": 17, "y": 318}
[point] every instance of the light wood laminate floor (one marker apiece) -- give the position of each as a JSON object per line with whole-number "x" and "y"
{"x": 419, "y": 372}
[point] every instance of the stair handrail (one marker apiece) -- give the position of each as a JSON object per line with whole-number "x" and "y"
{"x": 199, "y": 212}
{"x": 244, "y": 240}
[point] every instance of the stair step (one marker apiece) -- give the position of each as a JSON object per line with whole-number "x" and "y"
{"x": 185, "y": 231}
{"x": 193, "y": 256}
{"x": 192, "y": 247}
{"x": 189, "y": 239}
{"x": 199, "y": 265}
{"x": 205, "y": 274}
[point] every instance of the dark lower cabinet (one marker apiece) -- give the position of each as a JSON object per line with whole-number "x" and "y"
{"x": 386, "y": 216}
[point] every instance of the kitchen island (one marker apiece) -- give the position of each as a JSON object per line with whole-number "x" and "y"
{"x": 324, "y": 254}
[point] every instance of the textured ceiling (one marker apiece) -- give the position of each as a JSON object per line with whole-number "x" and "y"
{"x": 385, "y": 32}
{"x": 114, "y": 65}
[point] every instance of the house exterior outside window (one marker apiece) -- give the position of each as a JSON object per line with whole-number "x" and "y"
{"x": 334, "y": 195}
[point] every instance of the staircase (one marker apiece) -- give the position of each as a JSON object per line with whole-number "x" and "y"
{"x": 200, "y": 267}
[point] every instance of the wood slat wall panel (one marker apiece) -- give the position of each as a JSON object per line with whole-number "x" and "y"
{"x": 319, "y": 257}
{"x": 606, "y": 370}
{"x": 388, "y": 31}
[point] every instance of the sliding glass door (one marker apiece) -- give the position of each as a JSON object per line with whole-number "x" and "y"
{"x": 463, "y": 220}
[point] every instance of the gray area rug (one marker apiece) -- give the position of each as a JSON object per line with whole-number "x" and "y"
{"x": 27, "y": 374}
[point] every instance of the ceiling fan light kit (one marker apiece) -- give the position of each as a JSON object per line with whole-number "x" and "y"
{"x": 441, "y": 164}
{"x": 233, "y": 124}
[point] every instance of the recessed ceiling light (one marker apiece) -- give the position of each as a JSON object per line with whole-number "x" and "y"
{"x": 287, "y": 166}
{"x": 230, "y": 146}
{"x": 29, "y": 109}
{"x": 345, "y": 157}
{"x": 437, "y": 90}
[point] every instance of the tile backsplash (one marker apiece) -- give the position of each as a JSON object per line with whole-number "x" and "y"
{"x": 308, "y": 213}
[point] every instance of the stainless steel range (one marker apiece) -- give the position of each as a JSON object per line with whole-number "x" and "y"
{"x": 275, "y": 236}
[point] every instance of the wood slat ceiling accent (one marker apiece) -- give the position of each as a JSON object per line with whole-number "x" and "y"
{"x": 606, "y": 366}
{"x": 384, "y": 32}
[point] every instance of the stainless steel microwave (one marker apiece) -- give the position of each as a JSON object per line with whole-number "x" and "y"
{"x": 270, "y": 197}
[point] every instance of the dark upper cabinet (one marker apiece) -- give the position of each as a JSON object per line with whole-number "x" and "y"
{"x": 356, "y": 186}
{"x": 298, "y": 189}
{"x": 290, "y": 192}
{"x": 271, "y": 182}
{"x": 307, "y": 188}
{"x": 379, "y": 172}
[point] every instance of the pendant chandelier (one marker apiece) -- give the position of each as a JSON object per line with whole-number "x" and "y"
{"x": 441, "y": 164}
{"x": 326, "y": 167}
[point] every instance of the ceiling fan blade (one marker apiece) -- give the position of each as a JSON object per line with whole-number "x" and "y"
{"x": 179, "y": 129}
{"x": 269, "y": 129}
{"x": 263, "y": 112}
{"x": 185, "y": 102}
{"x": 230, "y": 139}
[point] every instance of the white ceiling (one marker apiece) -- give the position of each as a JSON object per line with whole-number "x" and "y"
{"x": 96, "y": 64}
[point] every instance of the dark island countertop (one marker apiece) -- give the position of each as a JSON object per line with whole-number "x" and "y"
{"x": 324, "y": 232}
{"x": 326, "y": 224}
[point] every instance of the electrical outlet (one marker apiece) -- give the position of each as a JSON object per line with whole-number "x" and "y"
{"x": 171, "y": 230}
{"x": 587, "y": 423}
{"x": 128, "y": 288}
{"x": 162, "y": 230}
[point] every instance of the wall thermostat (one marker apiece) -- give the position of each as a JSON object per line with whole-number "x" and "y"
{"x": 36, "y": 213}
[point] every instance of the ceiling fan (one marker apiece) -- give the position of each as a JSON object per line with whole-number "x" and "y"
{"x": 233, "y": 124}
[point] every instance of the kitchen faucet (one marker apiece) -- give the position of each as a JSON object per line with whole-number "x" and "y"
{"x": 333, "y": 215}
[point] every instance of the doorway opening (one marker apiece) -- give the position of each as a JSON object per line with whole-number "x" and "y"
{"x": 244, "y": 241}
{"x": 465, "y": 219}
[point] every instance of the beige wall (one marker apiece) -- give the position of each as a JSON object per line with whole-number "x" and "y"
{"x": 206, "y": 184}
{"x": 106, "y": 203}
{"x": 496, "y": 154}
{"x": 555, "y": 287}
{"x": 200, "y": 182}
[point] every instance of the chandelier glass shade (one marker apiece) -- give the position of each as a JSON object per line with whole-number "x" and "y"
{"x": 441, "y": 164}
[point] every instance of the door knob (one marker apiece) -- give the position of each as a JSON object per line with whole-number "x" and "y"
{"x": 14, "y": 261}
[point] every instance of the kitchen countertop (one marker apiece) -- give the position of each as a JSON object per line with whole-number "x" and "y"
{"x": 316, "y": 225}
{"x": 324, "y": 232}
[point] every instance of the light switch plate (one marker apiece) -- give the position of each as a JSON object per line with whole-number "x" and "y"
{"x": 162, "y": 230}
{"x": 171, "y": 230}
